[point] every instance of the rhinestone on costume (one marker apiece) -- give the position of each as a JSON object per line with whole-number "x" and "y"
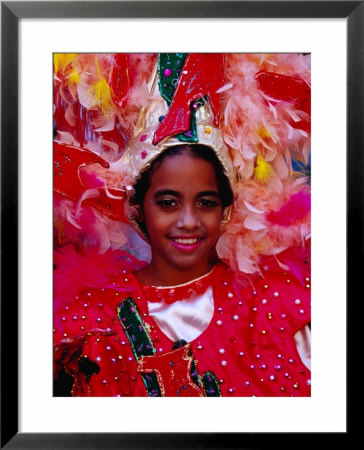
{"x": 264, "y": 301}
{"x": 235, "y": 317}
{"x": 167, "y": 73}
{"x": 219, "y": 322}
{"x": 297, "y": 301}
{"x": 230, "y": 295}
{"x": 199, "y": 347}
{"x": 276, "y": 294}
{"x": 98, "y": 358}
{"x": 301, "y": 311}
{"x": 247, "y": 383}
{"x": 295, "y": 386}
{"x": 223, "y": 363}
{"x": 221, "y": 351}
{"x": 231, "y": 390}
{"x": 272, "y": 377}
{"x": 241, "y": 354}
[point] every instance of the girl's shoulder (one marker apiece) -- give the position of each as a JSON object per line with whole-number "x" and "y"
{"x": 276, "y": 295}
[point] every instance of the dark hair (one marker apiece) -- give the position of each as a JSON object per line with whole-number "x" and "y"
{"x": 196, "y": 150}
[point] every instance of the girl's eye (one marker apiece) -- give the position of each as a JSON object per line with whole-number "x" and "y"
{"x": 207, "y": 203}
{"x": 167, "y": 203}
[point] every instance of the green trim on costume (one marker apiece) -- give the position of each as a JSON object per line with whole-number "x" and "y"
{"x": 140, "y": 341}
{"x": 210, "y": 384}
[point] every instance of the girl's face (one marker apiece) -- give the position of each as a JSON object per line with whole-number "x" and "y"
{"x": 182, "y": 212}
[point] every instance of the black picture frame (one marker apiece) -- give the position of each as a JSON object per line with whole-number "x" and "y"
{"x": 11, "y": 12}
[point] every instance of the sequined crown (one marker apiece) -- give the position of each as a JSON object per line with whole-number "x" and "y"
{"x": 184, "y": 107}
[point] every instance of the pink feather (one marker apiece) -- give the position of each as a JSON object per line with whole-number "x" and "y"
{"x": 296, "y": 209}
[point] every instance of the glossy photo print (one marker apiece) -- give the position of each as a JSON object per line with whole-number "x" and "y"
{"x": 182, "y": 225}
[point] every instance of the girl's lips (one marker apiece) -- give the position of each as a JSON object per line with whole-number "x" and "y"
{"x": 186, "y": 244}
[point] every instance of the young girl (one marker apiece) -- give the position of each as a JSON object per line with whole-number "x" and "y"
{"x": 182, "y": 323}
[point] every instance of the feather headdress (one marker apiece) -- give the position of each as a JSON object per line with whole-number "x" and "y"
{"x": 259, "y": 108}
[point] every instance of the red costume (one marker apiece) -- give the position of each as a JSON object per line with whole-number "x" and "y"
{"x": 248, "y": 349}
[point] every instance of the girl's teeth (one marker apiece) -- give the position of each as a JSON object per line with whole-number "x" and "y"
{"x": 186, "y": 241}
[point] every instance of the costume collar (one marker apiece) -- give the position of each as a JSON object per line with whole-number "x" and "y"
{"x": 170, "y": 294}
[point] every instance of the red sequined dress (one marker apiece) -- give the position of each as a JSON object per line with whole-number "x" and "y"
{"x": 106, "y": 342}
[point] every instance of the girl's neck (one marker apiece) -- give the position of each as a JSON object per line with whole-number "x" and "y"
{"x": 154, "y": 276}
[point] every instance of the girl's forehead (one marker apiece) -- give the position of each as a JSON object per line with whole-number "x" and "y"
{"x": 184, "y": 170}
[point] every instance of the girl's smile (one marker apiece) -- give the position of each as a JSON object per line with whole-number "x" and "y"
{"x": 182, "y": 213}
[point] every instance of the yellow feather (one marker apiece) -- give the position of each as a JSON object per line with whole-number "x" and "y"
{"x": 263, "y": 170}
{"x": 101, "y": 92}
{"x": 74, "y": 77}
{"x": 62, "y": 60}
{"x": 263, "y": 132}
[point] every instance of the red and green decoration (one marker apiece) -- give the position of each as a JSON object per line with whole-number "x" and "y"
{"x": 173, "y": 373}
{"x": 186, "y": 81}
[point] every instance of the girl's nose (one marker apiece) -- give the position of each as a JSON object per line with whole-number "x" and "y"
{"x": 188, "y": 219}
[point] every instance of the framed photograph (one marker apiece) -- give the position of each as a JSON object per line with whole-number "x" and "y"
{"x": 331, "y": 35}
